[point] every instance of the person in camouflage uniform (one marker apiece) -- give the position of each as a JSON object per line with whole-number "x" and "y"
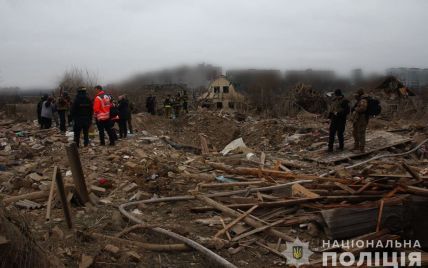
{"x": 339, "y": 110}
{"x": 360, "y": 120}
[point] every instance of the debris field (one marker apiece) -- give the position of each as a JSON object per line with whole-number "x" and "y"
{"x": 207, "y": 190}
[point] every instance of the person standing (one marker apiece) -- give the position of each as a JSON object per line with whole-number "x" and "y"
{"x": 123, "y": 116}
{"x": 81, "y": 112}
{"x": 150, "y": 104}
{"x": 63, "y": 108}
{"x": 339, "y": 110}
{"x": 102, "y": 105}
{"x": 47, "y": 113}
{"x": 131, "y": 110}
{"x": 360, "y": 120}
{"x": 167, "y": 105}
{"x": 176, "y": 105}
{"x": 39, "y": 109}
{"x": 185, "y": 101}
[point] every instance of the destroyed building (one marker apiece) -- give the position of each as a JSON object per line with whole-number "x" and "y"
{"x": 206, "y": 186}
{"x": 222, "y": 95}
{"x": 395, "y": 98}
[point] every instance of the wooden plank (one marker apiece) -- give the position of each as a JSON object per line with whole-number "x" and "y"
{"x": 415, "y": 175}
{"x": 292, "y": 202}
{"x": 204, "y": 144}
{"x": 257, "y": 230}
{"x": 224, "y": 226}
{"x": 300, "y": 191}
{"x": 416, "y": 190}
{"x": 235, "y": 221}
{"x": 248, "y": 220}
{"x": 29, "y": 196}
{"x": 229, "y": 184}
{"x": 77, "y": 172}
{"x": 379, "y": 217}
{"x": 346, "y": 222}
{"x": 345, "y": 187}
{"x": 262, "y": 159}
{"x": 51, "y": 193}
{"x": 97, "y": 189}
{"x": 394, "y": 176}
{"x": 61, "y": 192}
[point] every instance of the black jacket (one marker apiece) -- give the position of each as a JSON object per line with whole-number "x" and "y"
{"x": 82, "y": 106}
{"x": 123, "y": 109}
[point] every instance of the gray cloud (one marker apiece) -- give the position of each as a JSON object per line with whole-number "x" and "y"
{"x": 114, "y": 39}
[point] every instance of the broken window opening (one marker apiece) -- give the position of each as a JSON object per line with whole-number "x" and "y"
{"x": 226, "y": 89}
{"x": 219, "y": 105}
{"x": 216, "y": 89}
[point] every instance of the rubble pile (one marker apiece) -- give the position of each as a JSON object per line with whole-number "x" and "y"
{"x": 220, "y": 128}
{"x": 208, "y": 188}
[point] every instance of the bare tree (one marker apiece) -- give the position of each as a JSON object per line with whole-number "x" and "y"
{"x": 76, "y": 77}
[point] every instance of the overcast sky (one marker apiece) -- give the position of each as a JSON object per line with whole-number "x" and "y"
{"x": 40, "y": 39}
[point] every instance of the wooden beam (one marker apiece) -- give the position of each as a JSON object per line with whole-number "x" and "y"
{"x": 204, "y": 144}
{"x": 248, "y": 220}
{"x": 77, "y": 172}
{"x": 29, "y": 196}
{"x": 257, "y": 230}
{"x": 345, "y": 187}
{"x": 229, "y": 184}
{"x": 415, "y": 175}
{"x": 61, "y": 191}
{"x": 51, "y": 194}
{"x": 300, "y": 191}
{"x": 235, "y": 221}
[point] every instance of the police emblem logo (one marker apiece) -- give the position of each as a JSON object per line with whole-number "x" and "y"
{"x": 297, "y": 252}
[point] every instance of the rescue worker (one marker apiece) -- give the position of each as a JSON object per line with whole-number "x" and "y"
{"x": 102, "y": 104}
{"x": 81, "y": 112}
{"x": 123, "y": 107}
{"x": 339, "y": 110}
{"x": 360, "y": 120}
{"x": 47, "y": 112}
{"x": 185, "y": 101}
{"x": 39, "y": 109}
{"x": 63, "y": 108}
{"x": 167, "y": 105}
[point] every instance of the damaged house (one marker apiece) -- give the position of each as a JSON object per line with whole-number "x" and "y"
{"x": 395, "y": 97}
{"x": 222, "y": 95}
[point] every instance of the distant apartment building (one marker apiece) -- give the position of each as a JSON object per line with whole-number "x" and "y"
{"x": 411, "y": 77}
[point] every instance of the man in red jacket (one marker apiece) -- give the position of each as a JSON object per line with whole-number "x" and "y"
{"x": 102, "y": 104}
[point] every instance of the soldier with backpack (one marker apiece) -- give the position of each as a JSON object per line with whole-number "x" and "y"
{"x": 364, "y": 108}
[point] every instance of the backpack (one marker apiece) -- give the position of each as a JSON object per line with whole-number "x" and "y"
{"x": 373, "y": 107}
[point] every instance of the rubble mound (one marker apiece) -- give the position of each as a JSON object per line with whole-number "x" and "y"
{"x": 219, "y": 128}
{"x": 266, "y": 134}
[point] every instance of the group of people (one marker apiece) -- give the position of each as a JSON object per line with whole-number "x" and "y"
{"x": 48, "y": 107}
{"x": 173, "y": 105}
{"x": 104, "y": 108}
{"x": 359, "y": 116}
